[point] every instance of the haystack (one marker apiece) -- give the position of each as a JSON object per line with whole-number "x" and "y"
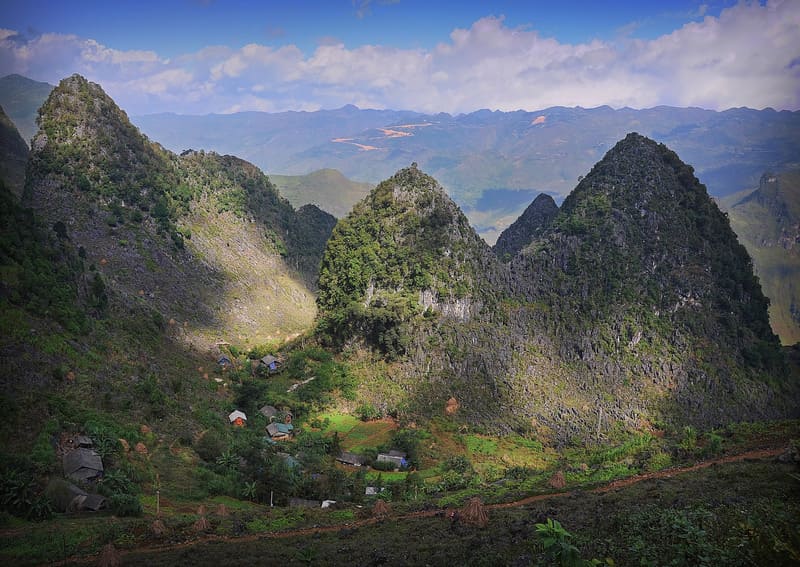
{"x": 557, "y": 481}
{"x": 158, "y": 528}
{"x": 474, "y": 513}
{"x": 451, "y": 406}
{"x": 109, "y": 556}
{"x": 222, "y": 511}
{"x": 202, "y": 524}
{"x": 380, "y": 510}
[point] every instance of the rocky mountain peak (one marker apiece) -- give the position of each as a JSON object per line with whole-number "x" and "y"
{"x": 529, "y": 226}
{"x": 405, "y": 250}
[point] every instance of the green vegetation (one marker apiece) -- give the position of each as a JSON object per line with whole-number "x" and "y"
{"x": 567, "y": 368}
{"x": 392, "y": 246}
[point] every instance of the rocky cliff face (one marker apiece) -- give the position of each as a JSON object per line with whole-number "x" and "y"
{"x": 635, "y": 305}
{"x": 203, "y": 240}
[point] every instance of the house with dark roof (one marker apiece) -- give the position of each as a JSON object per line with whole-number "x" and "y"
{"x": 350, "y": 459}
{"x": 82, "y": 464}
{"x": 66, "y": 497}
{"x": 84, "y": 441}
{"x": 271, "y": 363}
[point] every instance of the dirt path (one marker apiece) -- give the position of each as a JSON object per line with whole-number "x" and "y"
{"x": 755, "y": 454}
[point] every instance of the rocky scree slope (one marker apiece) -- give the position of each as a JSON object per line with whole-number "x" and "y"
{"x": 200, "y": 239}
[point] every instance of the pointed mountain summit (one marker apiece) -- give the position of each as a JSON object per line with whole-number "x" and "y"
{"x": 199, "y": 238}
{"x": 529, "y": 226}
{"x": 404, "y": 251}
{"x": 651, "y": 297}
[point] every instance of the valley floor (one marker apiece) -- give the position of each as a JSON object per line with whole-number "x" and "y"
{"x": 739, "y": 509}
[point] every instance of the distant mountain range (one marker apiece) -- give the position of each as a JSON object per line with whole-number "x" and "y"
{"x": 491, "y": 163}
{"x": 472, "y": 154}
{"x": 21, "y": 98}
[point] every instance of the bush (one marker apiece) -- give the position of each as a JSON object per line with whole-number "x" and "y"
{"x": 115, "y": 481}
{"x": 125, "y": 505}
{"x": 366, "y": 412}
{"x": 383, "y": 466}
{"x": 658, "y": 461}
{"x": 210, "y": 446}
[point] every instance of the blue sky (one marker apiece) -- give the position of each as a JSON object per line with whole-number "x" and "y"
{"x": 199, "y": 56}
{"x": 173, "y": 27}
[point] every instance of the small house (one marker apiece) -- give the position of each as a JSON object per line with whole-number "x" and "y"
{"x": 398, "y": 458}
{"x": 224, "y": 362}
{"x": 237, "y": 418}
{"x": 82, "y": 464}
{"x": 280, "y": 431}
{"x": 271, "y": 363}
{"x": 350, "y": 459}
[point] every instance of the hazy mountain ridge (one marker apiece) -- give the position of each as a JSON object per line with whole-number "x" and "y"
{"x": 543, "y": 150}
{"x": 326, "y": 188}
{"x": 21, "y": 98}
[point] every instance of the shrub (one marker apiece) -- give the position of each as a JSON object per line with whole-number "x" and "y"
{"x": 366, "y": 412}
{"x": 383, "y": 466}
{"x": 210, "y": 446}
{"x": 125, "y": 505}
{"x": 658, "y": 461}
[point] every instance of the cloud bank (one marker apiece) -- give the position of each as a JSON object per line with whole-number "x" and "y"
{"x": 748, "y": 56}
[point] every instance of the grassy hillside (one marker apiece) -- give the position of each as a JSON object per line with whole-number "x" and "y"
{"x": 327, "y": 188}
{"x": 766, "y": 221}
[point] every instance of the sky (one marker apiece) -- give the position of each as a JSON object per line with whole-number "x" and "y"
{"x": 222, "y": 56}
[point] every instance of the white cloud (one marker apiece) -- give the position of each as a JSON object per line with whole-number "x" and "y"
{"x": 745, "y": 57}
